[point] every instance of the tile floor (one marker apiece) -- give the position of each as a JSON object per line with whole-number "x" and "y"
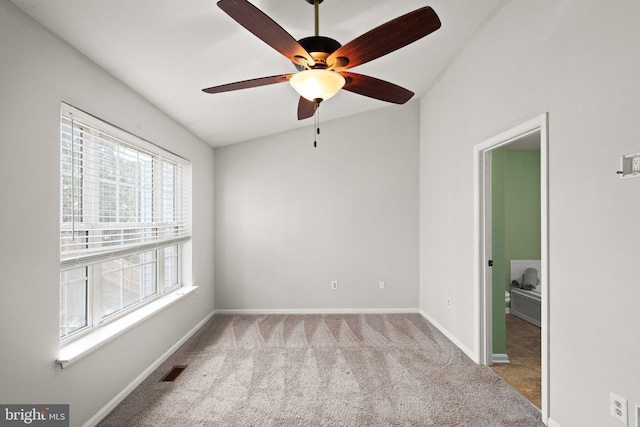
{"x": 524, "y": 352}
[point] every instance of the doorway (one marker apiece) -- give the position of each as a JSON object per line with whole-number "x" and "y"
{"x": 533, "y": 130}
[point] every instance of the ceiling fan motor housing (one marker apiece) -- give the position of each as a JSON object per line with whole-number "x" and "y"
{"x": 319, "y": 47}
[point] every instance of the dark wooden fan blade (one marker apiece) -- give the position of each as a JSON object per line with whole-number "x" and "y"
{"x": 306, "y": 108}
{"x": 385, "y": 39}
{"x": 265, "y": 28}
{"x": 246, "y": 84}
{"x": 376, "y": 88}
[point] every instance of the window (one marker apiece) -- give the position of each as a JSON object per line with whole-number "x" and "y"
{"x": 125, "y": 208}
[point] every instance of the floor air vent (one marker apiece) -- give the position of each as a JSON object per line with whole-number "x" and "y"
{"x": 173, "y": 373}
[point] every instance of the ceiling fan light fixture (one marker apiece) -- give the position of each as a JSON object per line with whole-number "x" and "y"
{"x": 317, "y": 84}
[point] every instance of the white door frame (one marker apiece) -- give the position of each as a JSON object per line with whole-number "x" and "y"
{"x": 482, "y": 244}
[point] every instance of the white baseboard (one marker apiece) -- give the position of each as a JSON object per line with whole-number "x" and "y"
{"x": 551, "y": 423}
{"x": 500, "y": 358}
{"x": 321, "y": 311}
{"x": 93, "y": 421}
{"x": 452, "y": 338}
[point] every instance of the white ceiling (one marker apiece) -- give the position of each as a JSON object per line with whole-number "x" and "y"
{"x": 169, "y": 50}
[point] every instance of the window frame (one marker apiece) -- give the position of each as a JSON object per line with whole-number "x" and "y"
{"x": 180, "y": 195}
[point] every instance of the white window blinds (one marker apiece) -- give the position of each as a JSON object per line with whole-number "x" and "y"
{"x": 119, "y": 193}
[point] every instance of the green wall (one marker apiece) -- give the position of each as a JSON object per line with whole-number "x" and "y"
{"x": 522, "y": 204}
{"x": 515, "y": 210}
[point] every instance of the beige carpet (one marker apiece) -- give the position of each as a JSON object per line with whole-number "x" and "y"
{"x": 323, "y": 370}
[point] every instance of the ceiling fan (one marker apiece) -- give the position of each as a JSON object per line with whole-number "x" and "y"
{"x": 322, "y": 61}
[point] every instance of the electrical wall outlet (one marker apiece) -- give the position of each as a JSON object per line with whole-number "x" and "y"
{"x": 197, "y": 297}
{"x": 334, "y": 285}
{"x": 449, "y": 303}
{"x": 381, "y": 284}
{"x": 630, "y": 164}
{"x": 619, "y": 408}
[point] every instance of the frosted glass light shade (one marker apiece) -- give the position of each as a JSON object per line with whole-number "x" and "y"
{"x": 317, "y": 84}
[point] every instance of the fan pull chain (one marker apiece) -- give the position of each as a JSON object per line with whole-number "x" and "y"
{"x": 316, "y": 127}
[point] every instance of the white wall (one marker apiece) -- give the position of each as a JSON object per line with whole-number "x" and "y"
{"x": 577, "y": 60}
{"x": 37, "y": 71}
{"x": 291, "y": 218}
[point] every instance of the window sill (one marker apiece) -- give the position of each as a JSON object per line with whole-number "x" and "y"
{"x": 81, "y": 347}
